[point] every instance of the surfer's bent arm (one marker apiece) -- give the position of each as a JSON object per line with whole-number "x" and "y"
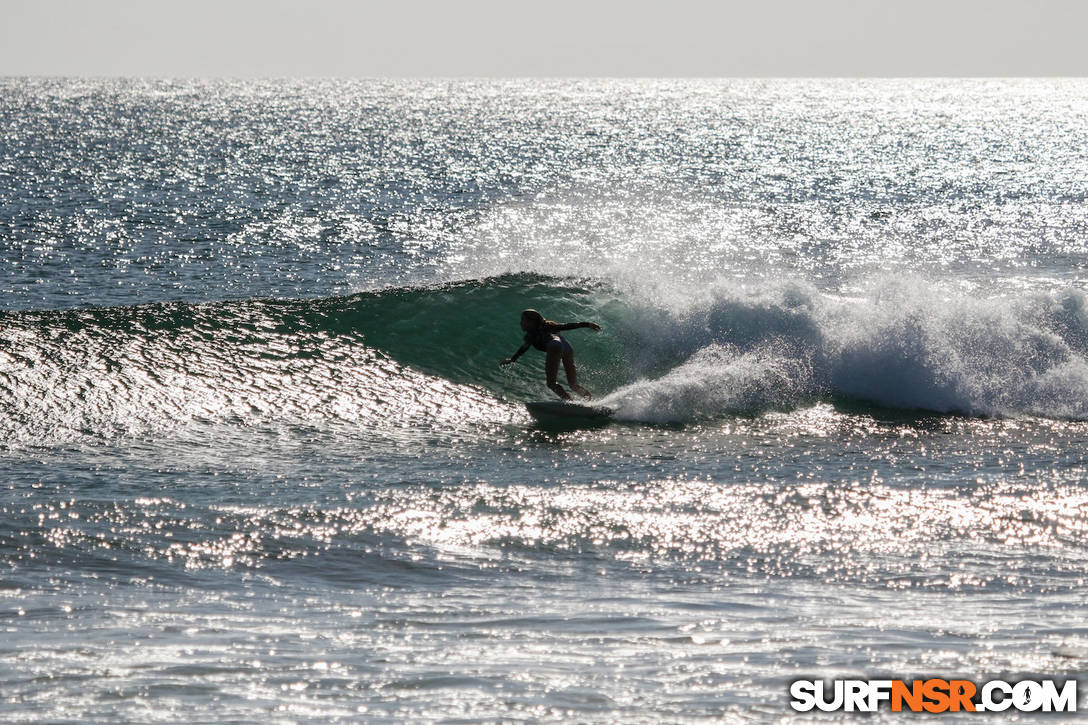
{"x": 575, "y": 325}
{"x": 521, "y": 351}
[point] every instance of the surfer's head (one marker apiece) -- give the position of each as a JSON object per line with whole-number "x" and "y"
{"x": 531, "y": 320}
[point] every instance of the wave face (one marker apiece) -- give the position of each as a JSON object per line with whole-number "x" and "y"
{"x": 460, "y": 331}
{"x": 431, "y": 354}
{"x": 111, "y": 372}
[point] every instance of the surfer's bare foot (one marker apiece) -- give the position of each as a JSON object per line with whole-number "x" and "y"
{"x": 583, "y": 392}
{"x": 558, "y": 390}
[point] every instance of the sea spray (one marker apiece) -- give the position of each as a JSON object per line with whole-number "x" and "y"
{"x": 914, "y": 345}
{"x": 908, "y": 344}
{"x": 718, "y": 380}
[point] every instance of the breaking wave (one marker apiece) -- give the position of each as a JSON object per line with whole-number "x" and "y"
{"x": 425, "y": 354}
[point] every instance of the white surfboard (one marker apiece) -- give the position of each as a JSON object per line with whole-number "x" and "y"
{"x": 560, "y": 411}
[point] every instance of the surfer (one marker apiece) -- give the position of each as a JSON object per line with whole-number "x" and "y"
{"x": 544, "y": 335}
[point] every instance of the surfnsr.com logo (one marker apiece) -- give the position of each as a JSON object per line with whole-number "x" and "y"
{"x": 934, "y": 695}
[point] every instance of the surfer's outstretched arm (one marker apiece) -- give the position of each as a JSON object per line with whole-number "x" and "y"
{"x": 576, "y": 325}
{"x": 521, "y": 351}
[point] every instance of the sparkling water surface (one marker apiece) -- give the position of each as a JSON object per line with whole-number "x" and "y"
{"x": 259, "y": 462}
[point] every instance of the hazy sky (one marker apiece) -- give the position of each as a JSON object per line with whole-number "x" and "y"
{"x": 544, "y": 38}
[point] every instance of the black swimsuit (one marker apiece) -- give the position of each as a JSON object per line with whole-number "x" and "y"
{"x": 540, "y": 339}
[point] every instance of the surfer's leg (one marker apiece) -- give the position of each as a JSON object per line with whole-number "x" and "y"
{"x": 551, "y": 369}
{"x": 572, "y": 372}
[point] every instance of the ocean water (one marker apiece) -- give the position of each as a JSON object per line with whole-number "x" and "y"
{"x": 258, "y": 462}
